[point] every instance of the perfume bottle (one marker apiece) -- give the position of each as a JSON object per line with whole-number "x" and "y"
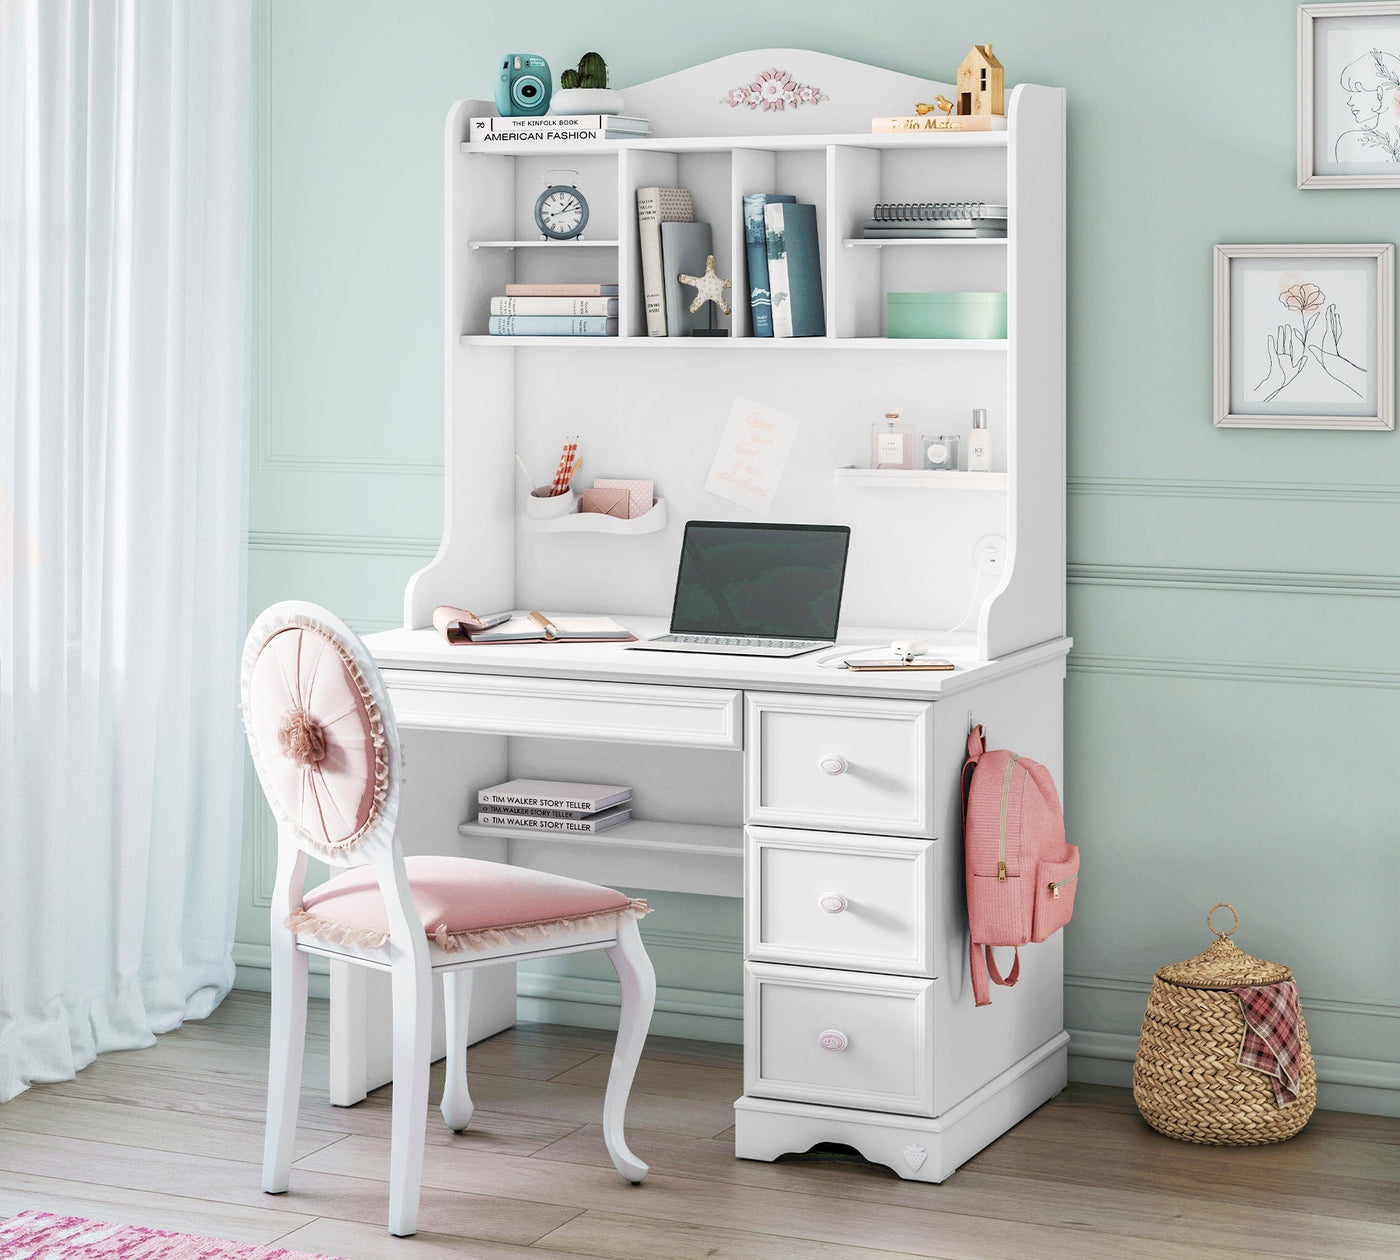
{"x": 892, "y": 441}
{"x": 979, "y": 443}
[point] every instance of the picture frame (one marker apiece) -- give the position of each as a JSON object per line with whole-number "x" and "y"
{"x": 1349, "y": 95}
{"x": 1304, "y": 336}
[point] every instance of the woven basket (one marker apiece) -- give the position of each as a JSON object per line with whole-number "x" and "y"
{"x": 1187, "y": 1079}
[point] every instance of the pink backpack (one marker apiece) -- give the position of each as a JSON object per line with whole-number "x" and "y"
{"x": 1021, "y": 873}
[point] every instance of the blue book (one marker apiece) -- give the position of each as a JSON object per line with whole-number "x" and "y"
{"x": 755, "y": 237}
{"x": 552, "y": 326}
{"x": 795, "y": 270}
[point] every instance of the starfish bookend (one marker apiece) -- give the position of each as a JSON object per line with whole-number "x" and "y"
{"x": 708, "y": 288}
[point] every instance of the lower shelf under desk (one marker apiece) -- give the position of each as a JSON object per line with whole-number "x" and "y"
{"x": 666, "y": 856}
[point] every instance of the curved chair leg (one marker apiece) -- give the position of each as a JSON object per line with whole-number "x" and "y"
{"x": 638, "y": 981}
{"x": 456, "y": 1006}
{"x": 286, "y": 1051}
{"x": 413, "y": 1026}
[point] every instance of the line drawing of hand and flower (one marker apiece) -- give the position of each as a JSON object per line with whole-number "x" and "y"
{"x": 1291, "y": 348}
{"x": 1372, "y": 87}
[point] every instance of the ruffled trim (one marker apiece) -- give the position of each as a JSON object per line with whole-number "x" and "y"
{"x": 468, "y": 941}
{"x": 301, "y": 621}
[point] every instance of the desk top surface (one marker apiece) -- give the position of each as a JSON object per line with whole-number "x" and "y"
{"x": 612, "y": 662}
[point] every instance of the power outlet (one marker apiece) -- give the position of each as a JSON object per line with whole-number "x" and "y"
{"x": 989, "y": 553}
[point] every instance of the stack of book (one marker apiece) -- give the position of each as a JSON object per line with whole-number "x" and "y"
{"x": 555, "y": 310}
{"x": 551, "y": 129}
{"x": 785, "y": 266}
{"x": 934, "y": 220}
{"x": 549, "y": 805}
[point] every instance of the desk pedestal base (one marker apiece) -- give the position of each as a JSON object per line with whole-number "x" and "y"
{"x": 916, "y": 1147}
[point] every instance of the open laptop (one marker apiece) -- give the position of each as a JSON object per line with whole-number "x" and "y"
{"x": 748, "y": 589}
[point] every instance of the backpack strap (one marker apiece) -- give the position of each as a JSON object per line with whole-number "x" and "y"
{"x": 976, "y": 742}
{"x": 984, "y": 965}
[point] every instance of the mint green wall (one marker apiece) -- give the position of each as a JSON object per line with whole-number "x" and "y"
{"x": 1234, "y": 694}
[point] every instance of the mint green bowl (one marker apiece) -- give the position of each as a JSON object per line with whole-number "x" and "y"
{"x": 956, "y": 315}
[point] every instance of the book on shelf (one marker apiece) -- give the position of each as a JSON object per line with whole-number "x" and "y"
{"x": 554, "y": 822}
{"x": 508, "y": 305}
{"x": 561, "y": 290}
{"x": 553, "y": 794}
{"x": 920, "y": 123}
{"x": 459, "y": 625}
{"x": 684, "y": 248}
{"x": 948, "y": 213}
{"x": 656, "y": 206}
{"x": 552, "y": 326}
{"x": 546, "y": 130}
{"x": 755, "y": 238}
{"x": 539, "y": 811}
{"x": 795, "y": 270}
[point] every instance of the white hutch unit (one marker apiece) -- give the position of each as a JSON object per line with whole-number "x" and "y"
{"x": 827, "y": 799}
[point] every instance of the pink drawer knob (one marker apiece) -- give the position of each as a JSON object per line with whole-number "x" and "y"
{"x": 832, "y": 902}
{"x": 833, "y": 764}
{"x": 832, "y": 1039}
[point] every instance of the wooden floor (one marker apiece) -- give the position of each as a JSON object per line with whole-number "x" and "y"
{"x": 171, "y": 1137}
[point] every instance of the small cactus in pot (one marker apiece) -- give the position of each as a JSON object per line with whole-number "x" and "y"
{"x": 592, "y": 72}
{"x": 584, "y": 89}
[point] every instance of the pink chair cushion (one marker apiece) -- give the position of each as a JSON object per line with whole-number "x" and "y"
{"x": 314, "y": 733}
{"x": 462, "y": 903}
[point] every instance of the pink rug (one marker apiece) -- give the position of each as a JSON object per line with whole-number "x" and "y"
{"x": 42, "y": 1236}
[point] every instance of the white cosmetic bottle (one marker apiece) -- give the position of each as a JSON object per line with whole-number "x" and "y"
{"x": 979, "y": 443}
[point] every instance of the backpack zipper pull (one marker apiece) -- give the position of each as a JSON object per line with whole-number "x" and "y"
{"x": 1001, "y": 874}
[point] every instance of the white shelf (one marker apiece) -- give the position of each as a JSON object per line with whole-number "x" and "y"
{"x": 726, "y": 144}
{"x": 877, "y": 242}
{"x": 783, "y": 345}
{"x": 575, "y": 244}
{"x": 919, "y": 479}
{"x": 655, "y": 837}
{"x": 597, "y": 522}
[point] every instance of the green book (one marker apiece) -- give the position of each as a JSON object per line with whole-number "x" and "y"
{"x": 795, "y": 270}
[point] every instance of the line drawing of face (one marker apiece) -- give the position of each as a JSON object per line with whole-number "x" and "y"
{"x": 1372, "y": 85}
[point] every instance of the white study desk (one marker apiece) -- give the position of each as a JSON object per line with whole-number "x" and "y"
{"x": 767, "y": 779}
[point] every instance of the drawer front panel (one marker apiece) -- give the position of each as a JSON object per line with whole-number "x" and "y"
{"x": 859, "y": 902}
{"x": 839, "y": 1039}
{"x": 566, "y": 708}
{"x": 840, "y": 765}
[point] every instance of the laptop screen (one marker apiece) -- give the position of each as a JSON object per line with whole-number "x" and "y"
{"x": 772, "y": 581}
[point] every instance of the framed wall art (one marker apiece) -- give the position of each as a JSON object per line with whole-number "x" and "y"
{"x": 1349, "y": 95}
{"x": 1303, "y": 336}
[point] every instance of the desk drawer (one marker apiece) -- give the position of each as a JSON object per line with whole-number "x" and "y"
{"x": 841, "y": 764}
{"x": 832, "y": 900}
{"x": 566, "y": 708}
{"x": 838, "y": 1038}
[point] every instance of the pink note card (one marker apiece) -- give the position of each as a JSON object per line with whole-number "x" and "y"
{"x": 640, "y": 493}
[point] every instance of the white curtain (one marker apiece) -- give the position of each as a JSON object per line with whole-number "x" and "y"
{"x": 124, "y": 351}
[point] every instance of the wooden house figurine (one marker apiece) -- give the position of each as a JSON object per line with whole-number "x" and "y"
{"x": 980, "y": 83}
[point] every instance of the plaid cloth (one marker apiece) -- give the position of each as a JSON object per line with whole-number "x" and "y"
{"x": 1271, "y": 1043}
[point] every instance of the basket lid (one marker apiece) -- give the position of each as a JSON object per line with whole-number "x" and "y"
{"x": 1224, "y": 965}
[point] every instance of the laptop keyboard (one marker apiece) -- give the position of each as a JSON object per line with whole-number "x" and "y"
{"x": 733, "y": 640}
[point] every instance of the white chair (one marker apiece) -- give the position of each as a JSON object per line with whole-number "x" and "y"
{"x": 323, "y": 739}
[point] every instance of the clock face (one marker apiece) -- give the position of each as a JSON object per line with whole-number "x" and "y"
{"x": 561, "y": 212}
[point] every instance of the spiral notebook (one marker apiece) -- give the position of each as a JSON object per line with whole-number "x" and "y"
{"x": 943, "y": 212}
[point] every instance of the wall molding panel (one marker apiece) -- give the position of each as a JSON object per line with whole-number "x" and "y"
{"x": 1179, "y": 488}
{"x": 341, "y": 544}
{"x": 1250, "y": 581}
{"x": 1232, "y": 671}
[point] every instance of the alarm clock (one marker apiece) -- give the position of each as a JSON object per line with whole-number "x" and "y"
{"x": 561, "y": 213}
{"x": 523, "y": 86}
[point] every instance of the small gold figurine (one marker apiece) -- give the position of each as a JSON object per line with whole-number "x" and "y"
{"x": 708, "y": 288}
{"x": 942, "y": 104}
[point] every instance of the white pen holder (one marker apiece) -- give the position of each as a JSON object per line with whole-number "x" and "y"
{"x": 540, "y": 505}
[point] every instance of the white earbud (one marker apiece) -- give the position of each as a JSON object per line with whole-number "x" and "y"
{"x": 908, "y": 649}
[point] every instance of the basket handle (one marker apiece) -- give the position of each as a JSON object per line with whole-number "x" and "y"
{"x": 1226, "y": 905}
